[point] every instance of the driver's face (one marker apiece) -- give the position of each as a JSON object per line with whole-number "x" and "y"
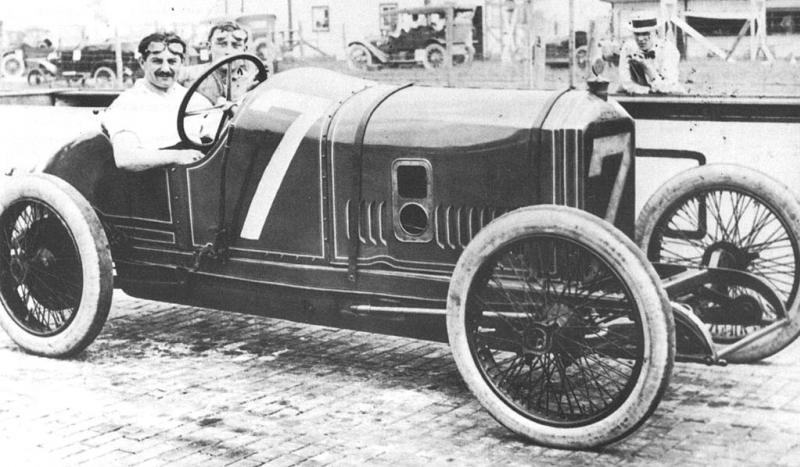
{"x": 161, "y": 68}
{"x": 226, "y": 43}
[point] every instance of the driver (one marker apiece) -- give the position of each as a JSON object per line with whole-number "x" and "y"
{"x": 142, "y": 121}
{"x": 225, "y": 39}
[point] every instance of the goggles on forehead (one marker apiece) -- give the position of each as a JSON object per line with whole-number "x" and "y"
{"x": 158, "y": 47}
{"x": 238, "y": 34}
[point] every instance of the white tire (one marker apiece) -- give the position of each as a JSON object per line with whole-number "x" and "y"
{"x": 56, "y": 277}
{"x": 514, "y": 297}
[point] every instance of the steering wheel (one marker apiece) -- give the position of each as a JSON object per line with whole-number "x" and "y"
{"x": 226, "y": 106}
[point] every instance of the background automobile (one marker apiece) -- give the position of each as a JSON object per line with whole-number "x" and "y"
{"x": 419, "y": 37}
{"x": 97, "y": 62}
{"x": 500, "y": 221}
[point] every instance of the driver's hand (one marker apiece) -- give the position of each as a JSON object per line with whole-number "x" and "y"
{"x": 186, "y": 156}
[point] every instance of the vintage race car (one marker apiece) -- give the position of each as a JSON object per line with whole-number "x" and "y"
{"x": 499, "y": 221}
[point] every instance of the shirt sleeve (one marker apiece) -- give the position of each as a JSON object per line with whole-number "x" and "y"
{"x": 114, "y": 118}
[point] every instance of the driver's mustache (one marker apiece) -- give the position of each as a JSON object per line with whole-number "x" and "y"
{"x": 165, "y": 74}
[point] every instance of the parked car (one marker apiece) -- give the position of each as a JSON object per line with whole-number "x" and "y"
{"x": 500, "y": 221}
{"x": 95, "y": 62}
{"x": 419, "y": 37}
{"x": 17, "y": 59}
{"x": 557, "y": 50}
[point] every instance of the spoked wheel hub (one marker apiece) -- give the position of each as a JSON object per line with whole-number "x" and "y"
{"x": 727, "y": 255}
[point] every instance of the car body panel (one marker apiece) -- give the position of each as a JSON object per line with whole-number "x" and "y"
{"x": 330, "y": 191}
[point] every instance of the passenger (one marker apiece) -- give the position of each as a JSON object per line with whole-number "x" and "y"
{"x": 225, "y": 39}
{"x": 648, "y": 64}
{"x": 142, "y": 121}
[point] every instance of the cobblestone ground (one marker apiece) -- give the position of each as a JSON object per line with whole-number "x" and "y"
{"x": 175, "y": 385}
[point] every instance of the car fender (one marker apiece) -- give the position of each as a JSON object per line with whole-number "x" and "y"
{"x": 376, "y": 52}
{"x": 42, "y": 63}
{"x": 87, "y": 163}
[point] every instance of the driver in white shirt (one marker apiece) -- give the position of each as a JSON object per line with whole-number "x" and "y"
{"x": 142, "y": 121}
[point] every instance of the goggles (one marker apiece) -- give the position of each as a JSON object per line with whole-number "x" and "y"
{"x": 158, "y": 47}
{"x": 236, "y": 32}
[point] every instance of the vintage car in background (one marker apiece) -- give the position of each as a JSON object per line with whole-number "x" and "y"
{"x": 419, "y": 37}
{"x": 557, "y": 50}
{"x": 95, "y": 62}
{"x": 19, "y": 58}
{"x": 499, "y": 221}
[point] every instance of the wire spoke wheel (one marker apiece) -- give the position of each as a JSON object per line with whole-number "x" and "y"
{"x": 554, "y": 331}
{"x": 722, "y": 216}
{"x": 559, "y": 326}
{"x": 730, "y": 229}
{"x": 41, "y": 276}
{"x": 56, "y": 277}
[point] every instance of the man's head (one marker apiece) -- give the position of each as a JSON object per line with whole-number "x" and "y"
{"x": 161, "y": 58}
{"x": 644, "y": 40}
{"x": 643, "y": 26}
{"x": 226, "y": 39}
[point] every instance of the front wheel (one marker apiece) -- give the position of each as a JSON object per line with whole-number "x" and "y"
{"x": 359, "y": 58}
{"x": 560, "y": 328}
{"x": 734, "y": 217}
{"x": 38, "y": 77}
{"x": 55, "y": 266}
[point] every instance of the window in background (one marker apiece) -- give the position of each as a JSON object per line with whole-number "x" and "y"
{"x": 320, "y": 18}
{"x": 783, "y": 20}
{"x": 388, "y": 21}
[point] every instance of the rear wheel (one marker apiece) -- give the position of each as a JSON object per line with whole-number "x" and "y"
{"x": 434, "y": 56}
{"x": 55, "y": 267}
{"x": 731, "y": 217}
{"x": 104, "y": 77}
{"x": 560, "y": 328}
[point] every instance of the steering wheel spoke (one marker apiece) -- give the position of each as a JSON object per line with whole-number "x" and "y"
{"x": 193, "y": 113}
{"x": 227, "y": 107}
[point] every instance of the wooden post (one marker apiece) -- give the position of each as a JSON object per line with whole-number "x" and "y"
{"x": 669, "y": 11}
{"x": 761, "y": 22}
{"x": 448, "y": 39}
{"x": 753, "y": 30}
{"x": 539, "y": 51}
{"x": 572, "y": 44}
{"x": 118, "y": 57}
{"x": 290, "y": 26}
{"x": 529, "y": 34}
{"x": 742, "y": 32}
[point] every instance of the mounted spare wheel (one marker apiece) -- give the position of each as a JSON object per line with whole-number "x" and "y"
{"x": 56, "y": 276}
{"x": 560, "y": 327}
{"x": 733, "y": 217}
{"x": 12, "y": 65}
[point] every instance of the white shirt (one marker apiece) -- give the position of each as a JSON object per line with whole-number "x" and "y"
{"x": 665, "y": 65}
{"x": 152, "y": 115}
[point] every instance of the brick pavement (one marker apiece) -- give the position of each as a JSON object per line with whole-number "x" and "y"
{"x": 174, "y": 385}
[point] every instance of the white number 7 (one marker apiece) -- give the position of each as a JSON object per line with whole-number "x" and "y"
{"x": 311, "y": 109}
